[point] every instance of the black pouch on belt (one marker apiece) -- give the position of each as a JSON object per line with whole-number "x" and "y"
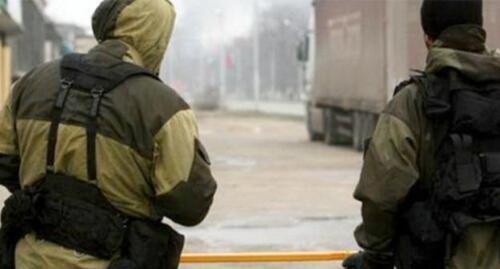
{"x": 75, "y": 215}
{"x": 150, "y": 245}
{"x": 18, "y": 218}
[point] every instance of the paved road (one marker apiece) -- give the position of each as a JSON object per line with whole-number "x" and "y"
{"x": 277, "y": 191}
{"x": 293, "y": 109}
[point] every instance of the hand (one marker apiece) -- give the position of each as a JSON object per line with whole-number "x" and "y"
{"x": 354, "y": 261}
{"x": 364, "y": 260}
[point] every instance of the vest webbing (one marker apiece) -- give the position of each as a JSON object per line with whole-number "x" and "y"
{"x": 97, "y": 79}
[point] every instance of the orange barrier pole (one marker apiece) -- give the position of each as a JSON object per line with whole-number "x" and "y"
{"x": 270, "y": 257}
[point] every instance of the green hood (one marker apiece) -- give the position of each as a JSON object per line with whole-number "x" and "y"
{"x": 463, "y": 48}
{"x": 145, "y": 26}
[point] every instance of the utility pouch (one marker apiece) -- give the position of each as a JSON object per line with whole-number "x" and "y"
{"x": 459, "y": 175}
{"x": 490, "y": 204}
{"x": 421, "y": 224}
{"x": 66, "y": 211}
{"x": 478, "y": 113}
{"x": 150, "y": 245}
{"x": 413, "y": 255}
{"x": 75, "y": 214}
{"x": 18, "y": 216}
{"x": 421, "y": 243}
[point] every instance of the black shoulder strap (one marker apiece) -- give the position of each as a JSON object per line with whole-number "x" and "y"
{"x": 96, "y": 78}
{"x": 402, "y": 85}
{"x": 57, "y": 110}
{"x": 108, "y": 74}
{"x": 97, "y": 94}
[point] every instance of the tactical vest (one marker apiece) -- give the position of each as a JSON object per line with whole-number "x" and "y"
{"x": 74, "y": 213}
{"x": 465, "y": 189}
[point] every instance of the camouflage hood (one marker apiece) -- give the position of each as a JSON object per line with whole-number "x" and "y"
{"x": 145, "y": 26}
{"x": 463, "y": 48}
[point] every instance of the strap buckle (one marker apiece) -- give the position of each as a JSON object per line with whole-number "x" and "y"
{"x": 50, "y": 168}
{"x": 97, "y": 93}
{"x": 66, "y": 85}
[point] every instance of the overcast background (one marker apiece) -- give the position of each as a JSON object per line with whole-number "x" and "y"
{"x": 237, "y": 13}
{"x": 213, "y": 46}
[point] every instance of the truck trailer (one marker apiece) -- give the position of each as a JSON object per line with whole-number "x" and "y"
{"x": 356, "y": 53}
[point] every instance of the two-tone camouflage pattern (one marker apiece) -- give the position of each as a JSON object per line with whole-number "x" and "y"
{"x": 403, "y": 152}
{"x": 150, "y": 161}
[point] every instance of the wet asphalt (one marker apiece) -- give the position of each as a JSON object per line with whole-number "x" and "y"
{"x": 277, "y": 191}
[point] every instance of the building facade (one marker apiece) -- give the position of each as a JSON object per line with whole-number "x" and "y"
{"x": 39, "y": 42}
{"x": 8, "y": 28}
{"x": 27, "y": 38}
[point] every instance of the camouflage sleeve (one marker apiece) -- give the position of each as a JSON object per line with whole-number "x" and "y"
{"x": 9, "y": 153}
{"x": 183, "y": 181}
{"x": 389, "y": 172}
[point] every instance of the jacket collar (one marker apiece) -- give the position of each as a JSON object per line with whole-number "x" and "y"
{"x": 466, "y": 37}
{"x": 119, "y": 50}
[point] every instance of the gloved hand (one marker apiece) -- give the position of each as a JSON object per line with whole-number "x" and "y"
{"x": 354, "y": 261}
{"x": 363, "y": 260}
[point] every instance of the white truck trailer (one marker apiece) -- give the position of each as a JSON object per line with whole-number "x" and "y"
{"x": 356, "y": 53}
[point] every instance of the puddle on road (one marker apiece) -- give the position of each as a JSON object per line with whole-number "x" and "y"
{"x": 292, "y": 234}
{"x": 235, "y": 161}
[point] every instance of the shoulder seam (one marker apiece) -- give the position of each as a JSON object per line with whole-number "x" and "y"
{"x": 167, "y": 121}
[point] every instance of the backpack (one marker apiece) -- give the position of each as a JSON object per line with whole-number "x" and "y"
{"x": 466, "y": 185}
{"x": 465, "y": 188}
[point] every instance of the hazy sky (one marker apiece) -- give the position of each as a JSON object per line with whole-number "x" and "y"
{"x": 74, "y": 11}
{"x": 237, "y": 12}
{"x": 80, "y": 11}
{"x": 235, "y": 15}
{"x": 210, "y": 21}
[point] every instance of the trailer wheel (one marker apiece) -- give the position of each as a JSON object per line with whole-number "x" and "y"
{"x": 314, "y": 135}
{"x": 332, "y": 136}
{"x": 338, "y": 127}
{"x": 363, "y": 126}
{"x": 358, "y": 130}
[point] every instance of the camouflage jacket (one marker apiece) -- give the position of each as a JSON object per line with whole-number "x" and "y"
{"x": 403, "y": 153}
{"x": 150, "y": 161}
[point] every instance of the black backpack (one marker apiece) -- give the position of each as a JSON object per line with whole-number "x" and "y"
{"x": 465, "y": 189}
